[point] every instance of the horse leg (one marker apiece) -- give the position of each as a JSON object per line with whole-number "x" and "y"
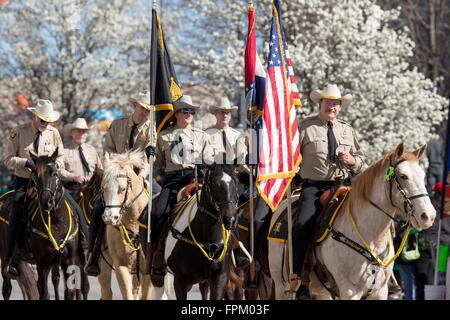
{"x": 27, "y": 281}
{"x": 42, "y": 282}
{"x": 55, "y": 281}
{"x": 204, "y": 289}
{"x": 124, "y": 279}
{"x": 317, "y": 290}
{"x": 217, "y": 285}
{"x": 84, "y": 285}
{"x": 6, "y": 288}
{"x": 181, "y": 288}
{"x": 104, "y": 278}
{"x": 146, "y": 287}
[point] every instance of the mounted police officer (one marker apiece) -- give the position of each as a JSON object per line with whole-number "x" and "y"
{"x": 80, "y": 162}
{"x": 329, "y": 150}
{"x": 124, "y": 134}
{"x": 179, "y": 148}
{"x": 224, "y": 138}
{"x": 40, "y": 139}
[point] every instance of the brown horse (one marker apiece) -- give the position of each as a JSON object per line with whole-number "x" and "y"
{"x": 26, "y": 281}
{"x": 86, "y": 195}
{"x": 53, "y": 239}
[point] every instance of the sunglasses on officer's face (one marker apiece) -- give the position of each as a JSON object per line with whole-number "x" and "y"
{"x": 187, "y": 111}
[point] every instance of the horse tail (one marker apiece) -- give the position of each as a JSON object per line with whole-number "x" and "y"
{"x": 27, "y": 282}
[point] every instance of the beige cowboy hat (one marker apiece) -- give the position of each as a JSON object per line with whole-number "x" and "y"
{"x": 185, "y": 102}
{"x": 79, "y": 123}
{"x": 330, "y": 92}
{"x": 44, "y": 110}
{"x": 143, "y": 98}
{"x": 224, "y": 104}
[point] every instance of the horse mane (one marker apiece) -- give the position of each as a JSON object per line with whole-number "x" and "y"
{"x": 364, "y": 183}
{"x": 119, "y": 162}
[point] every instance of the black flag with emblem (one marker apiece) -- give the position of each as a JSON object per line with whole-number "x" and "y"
{"x": 164, "y": 88}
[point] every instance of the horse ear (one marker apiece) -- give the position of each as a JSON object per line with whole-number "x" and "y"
{"x": 420, "y": 152}
{"x": 399, "y": 150}
{"x": 33, "y": 156}
{"x": 55, "y": 154}
{"x": 106, "y": 156}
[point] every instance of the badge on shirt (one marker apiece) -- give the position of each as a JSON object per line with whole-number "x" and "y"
{"x": 13, "y": 134}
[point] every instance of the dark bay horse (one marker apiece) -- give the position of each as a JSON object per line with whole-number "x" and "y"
{"x": 201, "y": 252}
{"x": 86, "y": 195}
{"x": 54, "y": 237}
{"x": 26, "y": 281}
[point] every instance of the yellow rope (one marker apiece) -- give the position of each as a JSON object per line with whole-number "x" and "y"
{"x": 126, "y": 239}
{"x": 48, "y": 227}
{"x": 225, "y": 236}
{"x": 383, "y": 264}
{"x": 83, "y": 206}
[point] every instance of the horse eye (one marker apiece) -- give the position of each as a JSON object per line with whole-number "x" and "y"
{"x": 404, "y": 177}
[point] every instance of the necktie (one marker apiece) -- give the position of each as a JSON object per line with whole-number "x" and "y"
{"x": 224, "y": 141}
{"x": 36, "y": 142}
{"x": 332, "y": 144}
{"x": 131, "y": 141}
{"x": 83, "y": 160}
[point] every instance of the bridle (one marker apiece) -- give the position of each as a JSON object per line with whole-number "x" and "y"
{"x": 40, "y": 193}
{"x": 125, "y": 207}
{"x": 216, "y": 204}
{"x": 391, "y": 177}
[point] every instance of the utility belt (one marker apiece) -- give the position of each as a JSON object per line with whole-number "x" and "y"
{"x": 181, "y": 173}
{"x": 318, "y": 183}
{"x": 72, "y": 185}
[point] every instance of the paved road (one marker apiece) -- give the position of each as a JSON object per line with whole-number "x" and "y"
{"x": 94, "y": 292}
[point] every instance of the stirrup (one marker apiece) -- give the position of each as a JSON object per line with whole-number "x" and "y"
{"x": 293, "y": 285}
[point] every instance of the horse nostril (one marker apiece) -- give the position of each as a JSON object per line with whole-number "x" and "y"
{"x": 424, "y": 216}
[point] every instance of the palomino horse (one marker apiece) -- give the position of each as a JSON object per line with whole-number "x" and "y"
{"x": 198, "y": 249}
{"x": 392, "y": 189}
{"x": 125, "y": 199}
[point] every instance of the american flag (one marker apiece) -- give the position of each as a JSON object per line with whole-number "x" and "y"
{"x": 279, "y": 152}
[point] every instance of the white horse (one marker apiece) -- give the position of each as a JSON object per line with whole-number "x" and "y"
{"x": 391, "y": 189}
{"x": 125, "y": 199}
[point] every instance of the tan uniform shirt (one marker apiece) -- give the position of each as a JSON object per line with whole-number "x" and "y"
{"x": 116, "y": 140}
{"x": 72, "y": 162}
{"x": 216, "y": 138}
{"x": 314, "y": 149}
{"x": 178, "y": 149}
{"x": 20, "y": 143}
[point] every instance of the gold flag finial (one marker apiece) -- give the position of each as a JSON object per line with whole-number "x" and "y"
{"x": 250, "y": 3}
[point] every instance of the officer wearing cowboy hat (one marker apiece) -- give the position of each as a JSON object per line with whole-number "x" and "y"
{"x": 129, "y": 133}
{"x": 40, "y": 139}
{"x": 222, "y": 136}
{"x": 80, "y": 159}
{"x": 178, "y": 149}
{"x": 329, "y": 149}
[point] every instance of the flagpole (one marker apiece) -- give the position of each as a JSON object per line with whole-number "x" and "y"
{"x": 151, "y": 160}
{"x": 251, "y": 213}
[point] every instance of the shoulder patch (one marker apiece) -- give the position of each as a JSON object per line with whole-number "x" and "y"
{"x": 343, "y": 122}
{"x": 13, "y": 134}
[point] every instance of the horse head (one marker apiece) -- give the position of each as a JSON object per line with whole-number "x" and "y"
{"x": 407, "y": 187}
{"x": 121, "y": 185}
{"x": 46, "y": 180}
{"x": 221, "y": 188}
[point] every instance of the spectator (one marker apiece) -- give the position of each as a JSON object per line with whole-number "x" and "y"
{"x": 435, "y": 155}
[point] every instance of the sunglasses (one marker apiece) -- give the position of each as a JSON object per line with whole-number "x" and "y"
{"x": 43, "y": 121}
{"x": 187, "y": 111}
